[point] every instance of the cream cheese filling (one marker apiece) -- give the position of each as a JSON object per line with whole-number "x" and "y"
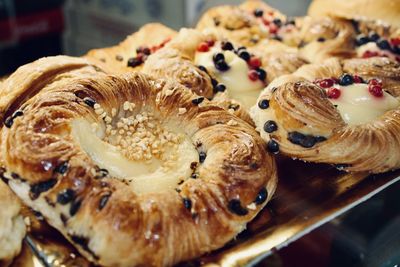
{"x": 238, "y": 85}
{"x": 357, "y": 105}
{"x": 145, "y": 176}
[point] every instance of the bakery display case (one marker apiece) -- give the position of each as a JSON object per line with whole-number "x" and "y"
{"x": 263, "y": 134}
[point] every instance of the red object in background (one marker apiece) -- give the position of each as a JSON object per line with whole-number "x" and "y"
{"x": 32, "y": 25}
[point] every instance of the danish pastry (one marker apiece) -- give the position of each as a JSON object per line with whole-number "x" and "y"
{"x": 386, "y": 11}
{"x": 12, "y": 226}
{"x": 246, "y": 24}
{"x": 133, "y": 170}
{"x": 133, "y": 51}
{"x": 346, "y": 114}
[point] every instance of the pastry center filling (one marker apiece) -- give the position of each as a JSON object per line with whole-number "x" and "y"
{"x": 239, "y": 72}
{"x": 151, "y": 154}
{"x": 359, "y": 102}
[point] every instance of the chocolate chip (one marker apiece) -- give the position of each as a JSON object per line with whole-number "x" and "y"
{"x": 41, "y": 187}
{"x": 83, "y": 242}
{"x": 235, "y": 206}
{"x": 89, "y": 101}
{"x": 202, "y": 156}
{"x": 303, "y": 140}
{"x": 62, "y": 168}
{"x": 75, "y": 206}
{"x": 63, "y": 219}
{"x": 273, "y": 146}
{"x": 198, "y": 100}
{"x": 263, "y": 104}
{"x": 194, "y": 176}
{"x": 65, "y": 196}
{"x": 234, "y": 106}
{"x": 9, "y": 121}
{"x": 202, "y": 68}
{"x": 187, "y": 203}
{"x": 321, "y": 39}
{"x": 261, "y": 197}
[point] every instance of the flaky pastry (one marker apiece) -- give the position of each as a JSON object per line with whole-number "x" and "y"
{"x": 245, "y": 24}
{"x": 342, "y": 113}
{"x": 12, "y": 226}
{"x": 130, "y": 54}
{"x": 132, "y": 170}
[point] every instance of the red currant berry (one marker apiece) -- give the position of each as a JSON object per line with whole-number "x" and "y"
{"x": 326, "y": 83}
{"x": 273, "y": 29}
{"x": 254, "y": 62}
{"x": 375, "y": 90}
{"x": 203, "y": 47}
{"x": 333, "y": 93}
{"x": 357, "y": 79}
{"x": 210, "y": 42}
{"x": 375, "y": 82}
{"x": 253, "y": 75}
{"x": 395, "y": 41}
{"x": 368, "y": 54}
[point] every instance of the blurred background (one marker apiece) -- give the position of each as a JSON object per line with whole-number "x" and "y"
{"x": 33, "y": 29}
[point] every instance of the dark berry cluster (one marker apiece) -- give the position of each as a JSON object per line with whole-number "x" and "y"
{"x": 142, "y": 52}
{"x": 374, "y": 85}
{"x": 391, "y": 45}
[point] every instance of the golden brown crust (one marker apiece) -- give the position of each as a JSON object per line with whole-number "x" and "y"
{"x": 237, "y": 23}
{"x": 301, "y": 106}
{"x": 43, "y": 74}
{"x": 116, "y": 57}
{"x": 176, "y": 61}
{"x": 324, "y": 38}
{"x": 152, "y": 229}
{"x": 277, "y": 58}
{"x": 383, "y": 10}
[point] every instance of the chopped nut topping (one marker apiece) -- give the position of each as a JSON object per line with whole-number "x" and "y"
{"x": 140, "y": 137}
{"x": 232, "y": 123}
{"x": 182, "y": 111}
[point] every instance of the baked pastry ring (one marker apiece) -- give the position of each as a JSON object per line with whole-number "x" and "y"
{"x": 245, "y": 24}
{"x": 184, "y": 181}
{"x": 321, "y": 38}
{"x": 231, "y": 76}
{"x": 12, "y": 226}
{"x": 354, "y": 125}
{"x": 130, "y": 54}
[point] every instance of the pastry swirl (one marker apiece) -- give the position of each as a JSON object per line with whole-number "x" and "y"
{"x": 221, "y": 178}
{"x": 296, "y": 114}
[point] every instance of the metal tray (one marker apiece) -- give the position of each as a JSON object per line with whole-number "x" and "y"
{"x": 308, "y": 196}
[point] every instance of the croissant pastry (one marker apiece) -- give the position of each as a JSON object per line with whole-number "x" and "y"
{"x": 143, "y": 164}
{"x": 342, "y": 113}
